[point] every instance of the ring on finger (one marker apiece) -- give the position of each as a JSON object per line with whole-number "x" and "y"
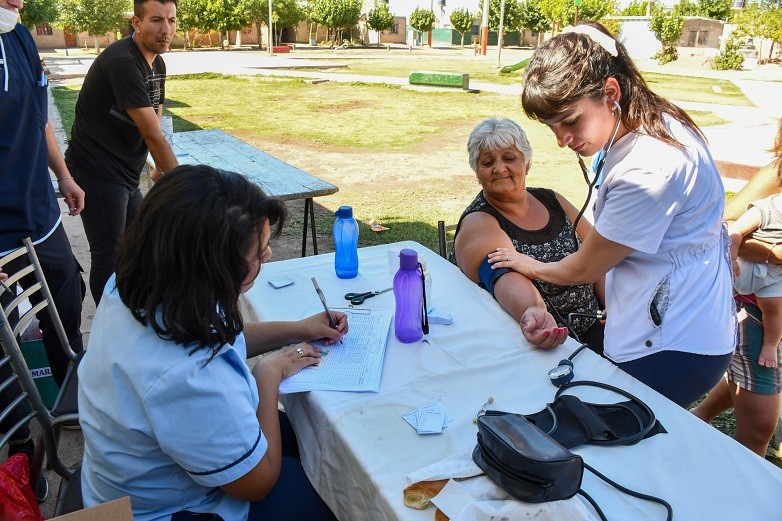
{"x": 300, "y": 351}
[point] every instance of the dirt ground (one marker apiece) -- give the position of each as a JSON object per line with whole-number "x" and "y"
{"x": 350, "y": 170}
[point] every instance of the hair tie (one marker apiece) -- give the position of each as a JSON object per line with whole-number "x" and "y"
{"x": 598, "y": 36}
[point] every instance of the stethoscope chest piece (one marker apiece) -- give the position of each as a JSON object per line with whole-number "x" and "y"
{"x": 562, "y": 374}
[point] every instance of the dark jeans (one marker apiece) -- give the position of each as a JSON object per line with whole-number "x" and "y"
{"x": 680, "y": 377}
{"x": 63, "y": 275}
{"x": 109, "y": 209}
{"x": 293, "y": 498}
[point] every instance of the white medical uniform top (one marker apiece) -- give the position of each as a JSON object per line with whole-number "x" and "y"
{"x": 162, "y": 425}
{"x": 667, "y": 205}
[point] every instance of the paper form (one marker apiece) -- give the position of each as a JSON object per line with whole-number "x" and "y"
{"x": 354, "y": 365}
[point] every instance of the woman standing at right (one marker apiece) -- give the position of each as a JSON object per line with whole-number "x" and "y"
{"x": 750, "y": 388}
{"x": 658, "y": 235}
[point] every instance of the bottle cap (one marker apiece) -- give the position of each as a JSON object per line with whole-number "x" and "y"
{"x": 345, "y": 212}
{"x": 408, "y": 259}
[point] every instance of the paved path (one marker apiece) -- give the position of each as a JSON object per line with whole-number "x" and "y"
{"x": 744, "y": 139}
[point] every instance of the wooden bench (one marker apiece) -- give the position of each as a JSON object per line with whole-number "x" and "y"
{"x": 440, "y": 79}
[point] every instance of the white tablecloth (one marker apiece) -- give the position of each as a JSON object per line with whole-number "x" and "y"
{"x": 357, "y": 449}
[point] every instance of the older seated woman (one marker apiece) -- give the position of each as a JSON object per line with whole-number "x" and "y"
{"x": 535, "y": 221}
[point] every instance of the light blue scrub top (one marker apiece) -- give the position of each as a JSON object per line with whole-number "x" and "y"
{"x": 162, "y": 425}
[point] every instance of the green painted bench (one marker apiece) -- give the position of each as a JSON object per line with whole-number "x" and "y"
{"x": 441, "y": 79}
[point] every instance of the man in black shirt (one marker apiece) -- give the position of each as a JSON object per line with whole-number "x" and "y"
{"x": 117, "y": 123}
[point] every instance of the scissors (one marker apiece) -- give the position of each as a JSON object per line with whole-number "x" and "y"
{"x": 359, "y": 298}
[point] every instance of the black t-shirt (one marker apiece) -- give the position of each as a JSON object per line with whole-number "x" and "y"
{"x": 105, "y": 142}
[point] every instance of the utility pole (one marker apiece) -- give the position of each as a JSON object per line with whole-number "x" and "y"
{"x": 431, "y": 10}
{"x": 485, "y": 27}
{"x": 271, "y": 29}
{"x": 499, "y": 34}
{"x": 575, "y": 18}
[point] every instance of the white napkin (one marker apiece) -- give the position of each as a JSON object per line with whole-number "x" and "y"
{"x": 456, "y": 466}
{"x": 480, "y": 499}
{"x": 459, "y": 502}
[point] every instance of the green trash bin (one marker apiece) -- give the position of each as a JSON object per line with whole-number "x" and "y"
{"x": 38, "y": 363}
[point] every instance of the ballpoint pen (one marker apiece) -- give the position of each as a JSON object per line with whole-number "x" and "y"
{"x": 322, "y": 297}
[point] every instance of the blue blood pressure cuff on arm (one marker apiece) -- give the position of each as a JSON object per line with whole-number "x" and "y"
{"x": 488, "y": 276}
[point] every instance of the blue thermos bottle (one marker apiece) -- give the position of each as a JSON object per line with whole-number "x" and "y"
{"x": 345, "y": 243}
{"x": 408, "y": 294}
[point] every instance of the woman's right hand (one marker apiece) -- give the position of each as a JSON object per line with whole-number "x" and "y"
{"x": 539, "y": 328}
{"x": 287, "y": 361}
{"x": 3, "y": 275}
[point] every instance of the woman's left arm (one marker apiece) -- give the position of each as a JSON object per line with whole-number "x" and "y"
{"x": 262, "y": 337}
{"x": 588, "y": 265}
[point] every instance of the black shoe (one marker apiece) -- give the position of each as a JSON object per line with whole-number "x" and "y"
{"x": 41, "y": 489}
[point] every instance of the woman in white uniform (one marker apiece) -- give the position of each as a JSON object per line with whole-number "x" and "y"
{"x": 658, "y": 234}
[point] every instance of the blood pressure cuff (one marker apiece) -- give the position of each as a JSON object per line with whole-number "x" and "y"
{"x": 575, "y": 422}
{"x": 488, "y": 276}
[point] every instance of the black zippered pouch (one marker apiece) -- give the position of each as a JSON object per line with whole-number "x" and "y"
{"x": 525, "y": 461}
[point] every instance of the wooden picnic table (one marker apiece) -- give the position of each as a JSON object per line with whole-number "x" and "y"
{"x": 277, "y": 178}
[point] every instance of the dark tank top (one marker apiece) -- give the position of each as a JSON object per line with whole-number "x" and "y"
{"x": 551, "y": 243}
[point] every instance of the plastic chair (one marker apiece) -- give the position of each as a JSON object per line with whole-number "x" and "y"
{"x": 20, "y": 385}
{"x": 443, "y": 234}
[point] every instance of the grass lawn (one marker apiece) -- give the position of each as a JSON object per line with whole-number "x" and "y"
{"x": 378, "y": 124}
{"x": 391, "y": 141}
{"x": 669, "y": 86}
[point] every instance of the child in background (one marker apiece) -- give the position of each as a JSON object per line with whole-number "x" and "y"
{"x": 763, "y": 219}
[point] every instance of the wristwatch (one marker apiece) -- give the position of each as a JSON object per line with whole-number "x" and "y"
{"x": 562, "y": 374}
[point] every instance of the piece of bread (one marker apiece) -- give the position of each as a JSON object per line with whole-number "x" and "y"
{"x": 419, "y": 495}
{"x": 440, "y": 516}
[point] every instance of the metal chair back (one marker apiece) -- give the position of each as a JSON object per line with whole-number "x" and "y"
{"x": 17, "y": 385}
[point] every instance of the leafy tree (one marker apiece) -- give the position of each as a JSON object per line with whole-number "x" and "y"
{"x": 716, "y": 9}
{"x": 462, "y": 21}
{"x": 96, "y": 17}
{"x": 635, "y": 8}
{"x": 223, "y": 16}
{"x": 188, "y": 17}
{"x": 729, "y": 57}
{"x": 687, "y": 8}
{"x": 336, "y": 14}
{"x": 562, "y": 12}
{"x": 511, "y": 19}
{"x": 422, "y": 20}
{"x": 380, "y": 19}
{"x": 666, "y": 24}
{"x": 38, "y": 12}
{"x": 764, "y": 19}
{"x": 532, "y": 18}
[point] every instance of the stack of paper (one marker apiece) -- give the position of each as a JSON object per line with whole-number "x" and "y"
{"x": 355, "y": 364}
{"x": 431, "y": 419}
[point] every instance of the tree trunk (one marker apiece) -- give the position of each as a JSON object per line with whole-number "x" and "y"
{"x": 95, "y": 39}
{"x": 258, "y": 31}
{"x": 461, "y": 45}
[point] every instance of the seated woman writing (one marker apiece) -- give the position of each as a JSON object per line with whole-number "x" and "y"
{"x": 534, "y": 221}
{"x": 171, "y": 414}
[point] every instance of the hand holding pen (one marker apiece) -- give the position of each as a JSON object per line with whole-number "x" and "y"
{"x": 338, "y": 322}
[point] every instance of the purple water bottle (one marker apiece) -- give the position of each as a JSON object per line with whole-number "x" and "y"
{"x": 408, "y": 294}
{"x": 345, "y": 243}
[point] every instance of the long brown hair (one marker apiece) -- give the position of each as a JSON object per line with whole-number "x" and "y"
{"x": 573, "y": 66}
{"x": 181, "y": 264}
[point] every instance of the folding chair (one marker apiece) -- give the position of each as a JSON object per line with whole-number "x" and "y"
{"x": 20, "y": 386}
{"x": 443, "y": 233}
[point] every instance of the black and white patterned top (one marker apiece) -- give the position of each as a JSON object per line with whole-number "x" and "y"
{"x": 551, "y": 243}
